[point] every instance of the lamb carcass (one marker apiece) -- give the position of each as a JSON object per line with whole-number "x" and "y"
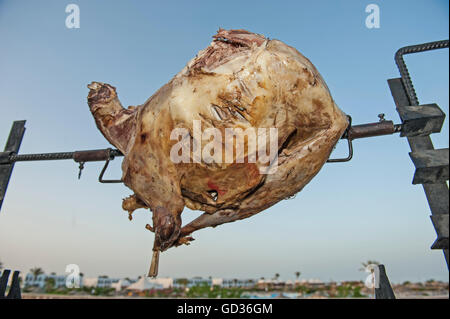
{"x": 241, "y": 80}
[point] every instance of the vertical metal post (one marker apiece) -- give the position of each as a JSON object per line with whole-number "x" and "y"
{"x": 12, "y": 146}
{"x": 437, "y": 193}
{"x": 384, "y": 290}
{"x": 14, "y": 290}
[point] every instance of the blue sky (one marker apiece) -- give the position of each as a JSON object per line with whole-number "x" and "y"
{"x": 351, "y": 212}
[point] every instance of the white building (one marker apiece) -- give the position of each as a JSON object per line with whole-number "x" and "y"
{"x": 122, "y": 284}
{"x": 90, "y": 282}
{"x": 191, "y": 282}
{"x": 42, "y": 279}
{"x": 225, "y": 283}
{"x": 100, "y": 282}
{"x": 198, "y": 281}
{"x": 164, "y": 282}
{"x": 144, "y": 283}
{"x": 234, "y": 283}
{"x": 312, "y": 282}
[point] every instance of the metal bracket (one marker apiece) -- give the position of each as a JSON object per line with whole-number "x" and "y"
{"x": 106, "y": 181}
{"x": 440, "y": 223}
{"x": 431, "y": 166}
{"x": 420, "y": 120}
{"x": 346, "y": 159}
{"x": 350, "y": 145}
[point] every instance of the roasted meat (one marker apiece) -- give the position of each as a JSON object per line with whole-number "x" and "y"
{"x": 177, "y": 145}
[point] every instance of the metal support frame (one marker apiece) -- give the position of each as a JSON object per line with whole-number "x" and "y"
{"x": 435, "y": 187}
{"x": 384, "y": 289}
{"x": 14, "y": 290}
{"x": 12, "y": 147}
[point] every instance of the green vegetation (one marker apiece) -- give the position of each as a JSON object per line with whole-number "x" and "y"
{"x": 347, "y": 290}
{"x": 49, "y": 285}
{"x": 205, "y": 291}
{"x": 49, "y": 289}
{"x": 357, "y": 293}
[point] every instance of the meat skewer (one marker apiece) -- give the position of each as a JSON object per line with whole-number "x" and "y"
{"x": 242, "y": 81}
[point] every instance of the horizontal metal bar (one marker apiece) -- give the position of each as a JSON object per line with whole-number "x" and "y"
{"x": 94, "y": 155}
{"x": 78, "y": 156}
{"x": 372, "y": 129}
{"x": 354, "y": 132}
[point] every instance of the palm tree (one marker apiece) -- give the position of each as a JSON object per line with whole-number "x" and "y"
{"x": 297, "y": 274}
{"x": 182, "y": 281}
{"x": 36, "y": 271}
{"x": 367, "y": 263}
{"x": 277, "y": 275}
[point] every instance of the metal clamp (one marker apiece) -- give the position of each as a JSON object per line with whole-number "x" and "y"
{"x": 100, "y": 178}
{"x": 350, "y": 145}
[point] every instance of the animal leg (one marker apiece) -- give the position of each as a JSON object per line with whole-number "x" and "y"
{"x": 131, "y": 203}
{"x": 211, "y": 220}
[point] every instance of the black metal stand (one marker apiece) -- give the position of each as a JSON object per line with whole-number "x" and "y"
{"x": 12, "y": 147}
{"x": 14, "y": 290}
{"x": 419, "y": 121}
{"x": 384, "y": 289}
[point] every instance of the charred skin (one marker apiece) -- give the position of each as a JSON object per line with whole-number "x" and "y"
{"x": 242, "y": 80}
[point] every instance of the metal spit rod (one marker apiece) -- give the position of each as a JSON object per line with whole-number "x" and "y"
{"x": 353, "y": 132}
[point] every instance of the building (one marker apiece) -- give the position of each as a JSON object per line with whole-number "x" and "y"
{"x": 42, "y": 279}
{"x": 100, "y": 282}
{"x": 143, "y": 284}
{"x": 123, "y": 284}
{"x": 225, "y": 283}
{"x": 316, "y": 283}
{"x": 235, "y": 283}
{"x": 164, "y": 282}
{"x": 199, "y": 281}
{"x": 191, "y": 282}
